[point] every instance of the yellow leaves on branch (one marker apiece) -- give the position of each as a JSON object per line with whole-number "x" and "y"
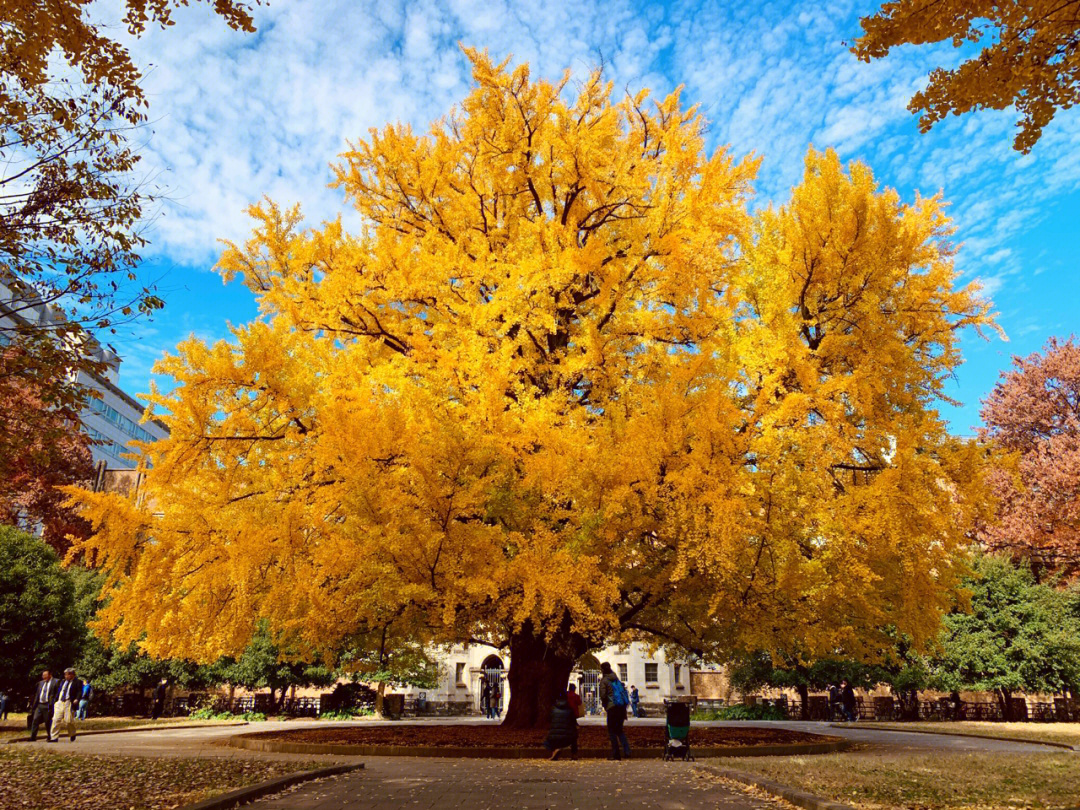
{"x": 1030, "y": 57}
{"x": 563, "y": 379}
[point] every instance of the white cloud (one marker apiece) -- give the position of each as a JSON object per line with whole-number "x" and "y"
{"x": 237, "y": 117}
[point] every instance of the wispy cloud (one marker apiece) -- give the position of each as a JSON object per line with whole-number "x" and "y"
{"x": 237, "y": 117}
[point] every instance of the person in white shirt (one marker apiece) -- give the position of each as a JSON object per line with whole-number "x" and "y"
{"x": 41, "y": 705}
{"x": 67, "y": 702}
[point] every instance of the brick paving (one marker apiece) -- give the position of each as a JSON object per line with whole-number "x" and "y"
{"x": 392, "y": 783}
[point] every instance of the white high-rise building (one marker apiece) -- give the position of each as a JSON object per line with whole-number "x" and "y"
{"x": 113, "y": 419}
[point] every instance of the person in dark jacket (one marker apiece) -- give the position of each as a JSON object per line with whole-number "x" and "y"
{"x": 834, "y": 703}
{"x": 616, "y": 714}
{"x": 41, "y": 705}
{"x": 159, "y": 699}
{"x": 67, "y": 703}
{"x": 563, "y": 731}
{"x": 848, "y": 702}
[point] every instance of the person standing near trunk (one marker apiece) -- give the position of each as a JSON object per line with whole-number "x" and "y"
{"x": 613, "y": 696}
{"x": 564, "y": 730}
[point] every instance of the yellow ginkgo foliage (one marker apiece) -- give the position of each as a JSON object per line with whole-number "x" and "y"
{"x": 1028, "y": 58}
{"x": 561, "y": 389}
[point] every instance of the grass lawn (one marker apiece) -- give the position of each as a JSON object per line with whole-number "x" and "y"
{"x": 45, "y": 781}
{"x": 1068, "y": 733}
{"x": 15, "y": 726}
{"x": 928, "y": 781}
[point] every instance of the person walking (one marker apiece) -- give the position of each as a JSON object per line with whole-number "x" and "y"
{"x": 613, "y": 696}
{"x": 3, "y": 705}
{"x": 496, "y": 698}
{"x": 41, "y": 705}
{"x": 635, "y": 702}
{"x": 564, "y": 730}
{"x": 84, "y": 700}
{"x": 848, "y": 702}
{"x": 159, "y": 699}
{"x": 835, "y": 712}
{"x": 67, "y": 700}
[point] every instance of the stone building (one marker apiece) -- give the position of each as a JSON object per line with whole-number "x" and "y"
{"x": 462, "y": 668}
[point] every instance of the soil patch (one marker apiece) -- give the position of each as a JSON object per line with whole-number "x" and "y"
{"x": 478, "y": 736}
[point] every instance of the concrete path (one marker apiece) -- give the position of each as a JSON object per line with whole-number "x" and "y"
{"x": 208, "y": 740}
{"x": 390, "y": 783}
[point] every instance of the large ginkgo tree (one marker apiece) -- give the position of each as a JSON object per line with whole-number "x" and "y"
{"x": 561, "y": 389}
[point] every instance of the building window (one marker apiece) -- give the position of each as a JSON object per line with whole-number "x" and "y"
{"x": 622, "y": 673}
{"x": 678, "y": 673}
{"x": 652, "y": 673}
{"x": 459, "y": 673}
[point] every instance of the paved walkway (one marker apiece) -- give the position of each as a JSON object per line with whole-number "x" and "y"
{"x": 206, "y": 741}
{"x": 389, "y": 783}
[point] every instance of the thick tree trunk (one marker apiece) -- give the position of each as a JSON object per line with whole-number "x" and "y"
{"x": 1005, "y": 699}
{"x": 380, "y": 693}
{"x": 804, "y": 699}
{"x": 539, "y": 673}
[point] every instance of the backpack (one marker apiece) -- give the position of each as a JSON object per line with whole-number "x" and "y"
{"x": 619, "y": 697}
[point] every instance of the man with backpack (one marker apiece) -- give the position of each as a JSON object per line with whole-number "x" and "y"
{"x": 614, "y": 698}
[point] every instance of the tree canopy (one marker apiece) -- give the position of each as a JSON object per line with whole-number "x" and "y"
{"x": 1031, "y": 60}
{"x": 1033, "y": 414}
{"x": 562, "y": 388}
{"x": 70, "y": 204}
{"x": 41, "y": 450}
{"x": 1017, "y": 636}
{"x": 40, "y": 625}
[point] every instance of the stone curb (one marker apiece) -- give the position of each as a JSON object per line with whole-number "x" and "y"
{"x": 966, "y": 734}
{"x": 95, "y": 732}
{"x": 252, "y": 742}
{"x": 800, "y": 798}
{"x": 235, "y": 798}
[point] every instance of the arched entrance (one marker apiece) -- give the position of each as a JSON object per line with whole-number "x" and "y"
{"x": 586, "y": 675}
{"x": 491, "y": 693}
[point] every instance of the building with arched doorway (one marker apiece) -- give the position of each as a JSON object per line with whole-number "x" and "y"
{"x": 473, "y": 676}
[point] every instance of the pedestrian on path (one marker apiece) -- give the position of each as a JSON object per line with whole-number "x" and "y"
{"x": 613, "y": 696}
{"x": 835, "y": 712}
{"x": 159, "y": 699}
{"x": 3, "y": 705}
{"x": 635, "y": 702}
{"x": 41, "y": 705}
{"x": 564, "y": 731}
{"x": 848, "y": 702}
{"x": 67, "y": 699}
{"x": 84, "y": 700}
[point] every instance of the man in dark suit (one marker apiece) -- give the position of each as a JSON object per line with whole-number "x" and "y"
{"x": 41, "y": 705}
{"x": 67, "y": 701}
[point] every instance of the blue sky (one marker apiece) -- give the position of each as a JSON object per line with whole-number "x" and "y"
{"x": 237, "y": 117}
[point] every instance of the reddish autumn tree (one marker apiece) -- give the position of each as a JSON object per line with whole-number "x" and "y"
{"x": 1034, "y": 414}
{"x": 41, "y": 449}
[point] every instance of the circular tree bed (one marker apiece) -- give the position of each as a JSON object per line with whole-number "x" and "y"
{"x": 422, "y": 739}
